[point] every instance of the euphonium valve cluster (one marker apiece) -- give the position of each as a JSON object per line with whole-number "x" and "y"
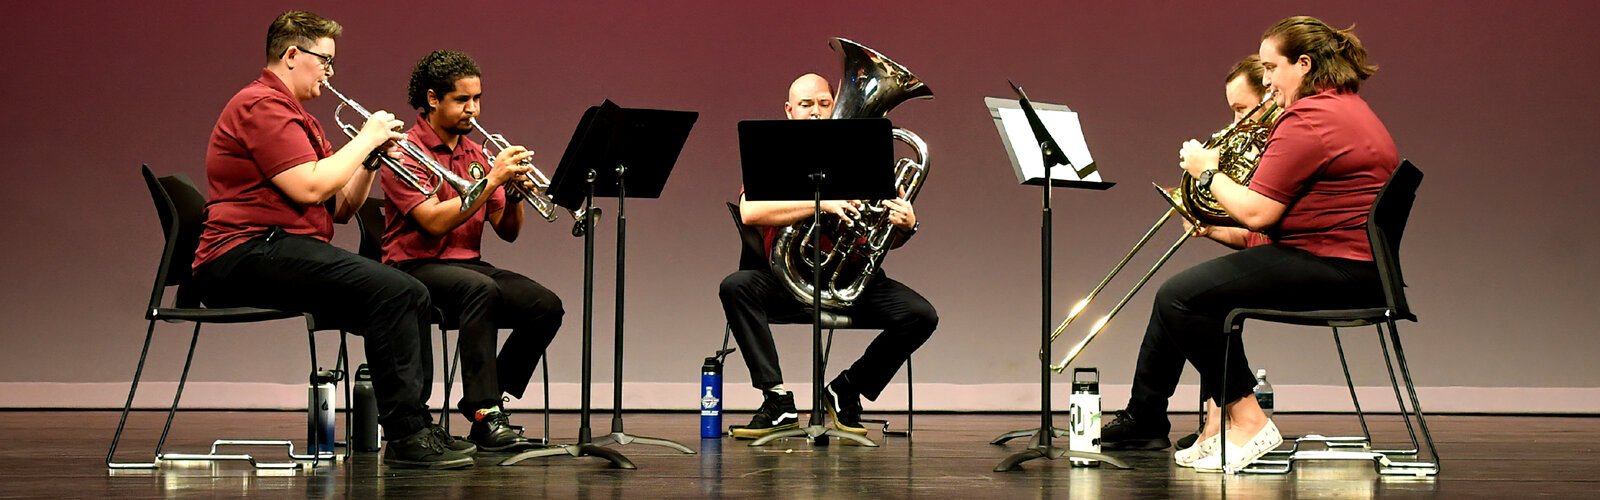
{"x": 1239, "y": 148}
{"x": 872, "y": 85}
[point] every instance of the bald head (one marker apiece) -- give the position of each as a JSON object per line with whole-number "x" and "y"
{"x": 810, "y": 97}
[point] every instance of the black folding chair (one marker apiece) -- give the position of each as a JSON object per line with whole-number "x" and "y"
{"x": 371, "y": 220}
{"x": 181, "y": 209}
{"x": 1386, "y": 223}
{"x": 752, "y": 257}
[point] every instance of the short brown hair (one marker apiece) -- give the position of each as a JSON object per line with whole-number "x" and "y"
{"x": 1338, "y": 61}
{"x": 1250, "y": 68}
{"x": 298, "y": 28}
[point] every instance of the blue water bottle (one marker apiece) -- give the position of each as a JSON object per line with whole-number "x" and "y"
{"x": 711, "y": 398}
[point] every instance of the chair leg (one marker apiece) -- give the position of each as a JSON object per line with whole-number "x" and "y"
{"x": 133, "y": 388}
{"x": 911, "y": 400}
{"x": 1416, "y": 405}
{"x": 188, "y": 361}
{"x": 343, "y": 364}
{"x": 1399, "y": 400}
{"x": 544, "y": 361}
{"x": 314, "y": 440}
{"x": 1350, "y": 382}
{"x": 449, "y": 379}
{"x": 1222, "y": 392}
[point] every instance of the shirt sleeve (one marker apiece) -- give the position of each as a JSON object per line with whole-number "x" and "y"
{"x": 276, "y": 136}
{"x": 497, "y": 201}
{"x": 401, "y": 194}
{"x": 1293, "y": 156}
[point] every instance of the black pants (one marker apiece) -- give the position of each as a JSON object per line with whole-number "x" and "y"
{"x": 378, "y": 302}
{"x": 1187, "y": 320}
{"x": 752, "y": 298}
{"x": 481, "y": 298}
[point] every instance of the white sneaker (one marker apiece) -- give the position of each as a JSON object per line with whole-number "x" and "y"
{"x": 1186, "y": 457}
{"x": 1264, "y": 441}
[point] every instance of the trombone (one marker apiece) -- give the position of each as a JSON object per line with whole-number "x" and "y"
{"x": 1240, "y": 139}
{"x": 469, "y": 190}
{"x": 537, "y": 195}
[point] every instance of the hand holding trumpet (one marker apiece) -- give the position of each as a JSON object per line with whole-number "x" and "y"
{"x": 511, "y": 166}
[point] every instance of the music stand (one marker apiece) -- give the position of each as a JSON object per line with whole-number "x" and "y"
{"x": 646, "y": 146}
{"x": 837, "y": 159}
{"x": 610, "y": 144}
{"x": 1082, "y": 173}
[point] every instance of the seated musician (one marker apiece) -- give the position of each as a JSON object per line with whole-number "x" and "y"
{"x": 751, "y": 297}
{"x": 1322, "y": 168}
{"x": 433, "y": 239}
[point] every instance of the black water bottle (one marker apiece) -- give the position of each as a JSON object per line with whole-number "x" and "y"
{"x": 364, "y": 432}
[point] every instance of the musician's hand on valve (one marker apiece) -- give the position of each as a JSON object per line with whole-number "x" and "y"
{"x": 503, "y": 174}
{"x": 847, "y": 210}
{"x": 1194, "y": 158}
{"x": 383, "y": 130}
{"x": 512, "y": 156}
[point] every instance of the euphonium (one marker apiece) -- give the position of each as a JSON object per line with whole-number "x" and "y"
{"x": 1239, "y": 148}
{"x": 872, "y": 85}
{"x": 469, "y": 190}
{"x": 537, "y": 195}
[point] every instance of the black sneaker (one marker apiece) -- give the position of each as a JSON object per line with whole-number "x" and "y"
{"x": 422, "y": 450}
{"x": 1187, "y": 442}
{"x": 452, "y": 443}
{"x": 492, "y": 431}
{"x": 1126, "y": 433}
{"x": 844, "y": 405}
{"x": 777, "y": 413}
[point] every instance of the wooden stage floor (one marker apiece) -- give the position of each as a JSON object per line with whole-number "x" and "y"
{"x": 60, "y": 454}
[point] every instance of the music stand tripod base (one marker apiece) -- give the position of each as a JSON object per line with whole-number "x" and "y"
{"x": 1027, "y": 433}
{"x": 575, "y": 450}
{"x": 817, "y": 434}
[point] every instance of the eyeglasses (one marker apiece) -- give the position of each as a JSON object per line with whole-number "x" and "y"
{"x": 327, "y": 61}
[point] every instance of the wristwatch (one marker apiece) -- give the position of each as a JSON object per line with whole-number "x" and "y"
{"x": 1205, "y": 179}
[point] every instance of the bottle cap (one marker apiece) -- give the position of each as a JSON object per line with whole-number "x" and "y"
{"x": 1261, "y": 373}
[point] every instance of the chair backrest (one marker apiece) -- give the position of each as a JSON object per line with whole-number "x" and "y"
{"x": 752, "y": 248}
{"x": 1386, "y": 225}
{"x": 370, "y": 219}
{"x": 182, "y": 210}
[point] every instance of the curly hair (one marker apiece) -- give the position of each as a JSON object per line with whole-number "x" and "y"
{"x": 438, "y": 71}
{"x": 298, "y": 28}
{"x": 1338, "y": 60}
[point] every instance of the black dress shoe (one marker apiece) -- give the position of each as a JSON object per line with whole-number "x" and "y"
{"x": 492, "y": 431}
{"x": 422, "y": 450}
{"x": 1124, "y": 432}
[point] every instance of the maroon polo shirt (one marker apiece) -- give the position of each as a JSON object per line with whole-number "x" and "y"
{"x": 262, "y": 132}
{"x": 403, "y": 238}
{"x": 1326, "y": 160}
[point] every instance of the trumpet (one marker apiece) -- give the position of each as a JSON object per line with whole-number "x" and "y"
{"x": 469, "y": 190}
{"x": 537, "y": 196}
{"x": 1240, "y": 145}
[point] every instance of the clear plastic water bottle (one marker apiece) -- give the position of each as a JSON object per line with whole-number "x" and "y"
{"x": 1264, "y": 392}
